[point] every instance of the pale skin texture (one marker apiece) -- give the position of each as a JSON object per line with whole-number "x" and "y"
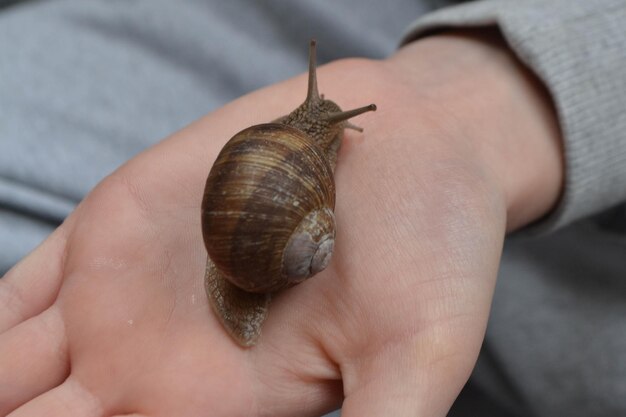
{"x": 108, "y": 316}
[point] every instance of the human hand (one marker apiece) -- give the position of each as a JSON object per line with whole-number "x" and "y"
{"x": 108, "y": 316}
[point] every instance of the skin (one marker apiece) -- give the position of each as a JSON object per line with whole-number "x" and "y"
{"x": 108, "y": 316}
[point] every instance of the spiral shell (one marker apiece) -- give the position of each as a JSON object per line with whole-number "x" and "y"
{"x": 267, "y": 211}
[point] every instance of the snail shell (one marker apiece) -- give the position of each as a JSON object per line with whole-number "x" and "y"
{"x": 268, "y": 208}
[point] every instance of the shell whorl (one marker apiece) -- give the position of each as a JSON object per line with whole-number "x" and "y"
{"x": 310, "y": 246}
{"x": 266, "y": 206}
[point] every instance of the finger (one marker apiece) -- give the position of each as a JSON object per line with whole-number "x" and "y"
{"x": 31, "y": 286}
{"x": 33, "y": 359}
{"x": 69, "y": 399}
{"x": 401, "y": 382}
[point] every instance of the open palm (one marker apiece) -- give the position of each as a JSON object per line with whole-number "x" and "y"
{"x": 109, "y": 317}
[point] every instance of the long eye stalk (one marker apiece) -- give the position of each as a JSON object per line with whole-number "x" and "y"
{"x": 312, "y": 93}
{"x": 348, "y": 114}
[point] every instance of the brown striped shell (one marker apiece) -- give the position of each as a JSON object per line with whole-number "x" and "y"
{"x": 267, "y": 212}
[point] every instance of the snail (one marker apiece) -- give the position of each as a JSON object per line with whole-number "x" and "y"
{"x": 267, "y": 210}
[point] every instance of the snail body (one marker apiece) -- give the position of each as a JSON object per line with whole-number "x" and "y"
{"x": 267, "y": 211}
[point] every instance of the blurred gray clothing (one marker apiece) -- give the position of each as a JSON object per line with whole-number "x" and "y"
{"x": 85, "y": 85}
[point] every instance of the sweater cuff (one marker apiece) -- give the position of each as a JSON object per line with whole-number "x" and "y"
{"x": 577, "y": 48}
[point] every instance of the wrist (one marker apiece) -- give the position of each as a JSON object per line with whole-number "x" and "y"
{"x": 498, "y": 109}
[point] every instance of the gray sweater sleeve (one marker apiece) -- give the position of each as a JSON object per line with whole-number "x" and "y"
{"x": 578, "y": 49}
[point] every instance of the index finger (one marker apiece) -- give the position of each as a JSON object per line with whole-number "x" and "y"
{"x": 32, "y": 284}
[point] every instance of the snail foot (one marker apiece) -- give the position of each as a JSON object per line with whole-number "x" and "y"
{"x": 241, "y": 313}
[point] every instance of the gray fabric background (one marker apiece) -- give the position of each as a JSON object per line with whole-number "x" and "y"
{"x": 85, "y": 85}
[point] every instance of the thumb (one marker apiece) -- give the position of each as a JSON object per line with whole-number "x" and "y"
{"x": 406, "y": 381}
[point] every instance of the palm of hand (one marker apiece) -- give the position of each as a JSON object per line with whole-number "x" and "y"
{"x": 115, "y": 320}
